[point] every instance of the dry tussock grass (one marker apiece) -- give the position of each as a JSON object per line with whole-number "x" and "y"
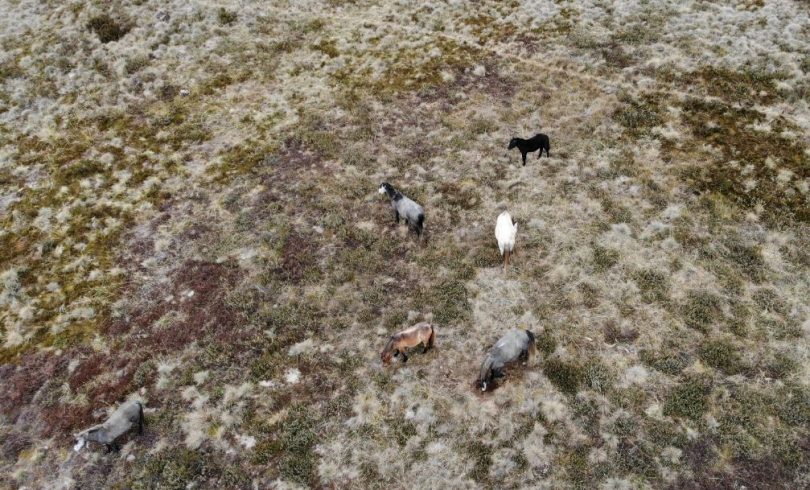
{"x": 189, "y": 217}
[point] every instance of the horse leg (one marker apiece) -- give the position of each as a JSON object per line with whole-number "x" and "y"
{"x": 425, "y": 344}
{"x": 396, "y": 216}
{"x": 404, "y": 357}
{"x": 396, "y": 353}
{"x": 524, "y": 157}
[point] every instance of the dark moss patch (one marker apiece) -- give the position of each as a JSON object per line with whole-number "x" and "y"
{"x": 545, "y": 342}
{"x": 653, "y": 284}
{"x": 567, "y": 376}
{"x": 604, "y": 258}
{"x": 298, "y": 259}
{"x": 108, "y": 29}
{"x": 700, "y": 310}
{"x": 669, "y": 360}
{"x": 795, "y": 407}
{"x": 175, "y": 469}
{"x": 768, "y": 300}
{"x": 689, "y": 399}
{"x": 728, "y": 129}
{"x": 778, "y": 365}
{"x": 747, "y": 258}
{"x": 639, "y": 115}
{"x": 226, "y": 17}
{"x": 745, "y": 87}
{"x": 481, "y": 455}
{"x": 638, "y": 457}
{"x": 617, "y": 212}
{"x": 722, "y": 354}
{"x": 448, "y": 301}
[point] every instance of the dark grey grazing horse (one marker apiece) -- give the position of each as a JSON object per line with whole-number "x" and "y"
{"x": 405, "y": 207}
{"x": 516, "y": 345}
{"x": 123, "y": 419}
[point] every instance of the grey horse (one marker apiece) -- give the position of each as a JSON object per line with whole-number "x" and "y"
{"x": 515, "y": 345}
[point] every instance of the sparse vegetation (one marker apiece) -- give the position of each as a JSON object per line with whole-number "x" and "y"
{"x": 189, "y": 217}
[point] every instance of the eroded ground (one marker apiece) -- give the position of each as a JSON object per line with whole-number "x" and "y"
{"x": 190, "y": 218}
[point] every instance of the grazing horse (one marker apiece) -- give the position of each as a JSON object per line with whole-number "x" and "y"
{"x": 536, "y": 142}
{"x": 405, "y": 207}
{"x": 505, "y": 233}
{"x": 127, "y": 416}
{"x": 421, "y": 333}
{"x": 516, "y": 345}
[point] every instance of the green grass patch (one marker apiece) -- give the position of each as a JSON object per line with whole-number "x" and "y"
{"x": 604, "y": 258}
{"x": 700, "y": 310}
{"x": 568, "y": 376}
{"x": 653, "y": 284}
{"x": 689, "y": 399}
{"x": 722, "y": 354}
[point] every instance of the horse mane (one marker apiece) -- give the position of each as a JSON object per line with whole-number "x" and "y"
{"x": 486, "y": 368}
{"x": 390, "y": 345}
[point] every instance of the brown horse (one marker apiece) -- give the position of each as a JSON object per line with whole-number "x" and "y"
{"x": 421, "y": 333}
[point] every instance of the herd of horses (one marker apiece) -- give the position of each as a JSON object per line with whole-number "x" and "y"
{"x": 516, "y": 345}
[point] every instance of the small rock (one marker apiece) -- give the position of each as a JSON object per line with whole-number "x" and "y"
{"x": 184, "y": 92}
{"x": 163, "y": 16}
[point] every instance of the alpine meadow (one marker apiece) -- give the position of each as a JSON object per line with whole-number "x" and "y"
{"x": 252, "y": 244}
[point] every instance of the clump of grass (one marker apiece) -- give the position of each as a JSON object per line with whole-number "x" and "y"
{"x": 481, "y": 455}
{"x": 653, "y": 284}
{"x": 463, "y": 196}
{"x": 747, "y": 258}
{"x": 604, "y": 258}
{"x": 226, "y": 17}
{"x": 670, "y": 360}
{"x": 449, "y": 302}
{"x": 590, "y": 294}
{"x": 175, "y": 469}
{"x": 545, "y": 342}
{"x": 597, "y": 376}
{"x": 639, "y": 115}
{"x": 768, "y": 299}
{"x": 292, "y": 448}
{"x": 617, "y": 212}
{"x": 637, "y": 456}
{"x": 701, "y": 309}
{"x": 688, "y": 399}
{"x": 401, "y": 430}
{"x": 779, "y": 365}
{"x": 796, "y": 408}
{"x": 721, "y": 354}
{"x": 108, "y": 29}
{"x": 567, "y": 376}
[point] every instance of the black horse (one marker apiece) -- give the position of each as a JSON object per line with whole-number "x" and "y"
{"x": 536, "y": 142}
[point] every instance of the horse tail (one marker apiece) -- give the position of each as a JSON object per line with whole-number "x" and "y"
{"x": 432, "y": 338}
{"x": 532, "y": 343}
